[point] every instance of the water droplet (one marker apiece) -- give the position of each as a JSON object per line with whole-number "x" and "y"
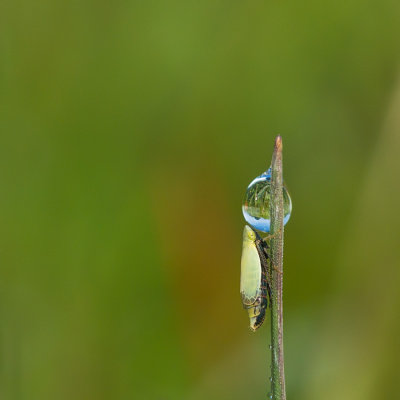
{"x": 256, "y": 203}
{"x": 270, "y": 346}
{"x": 270, "y": 378}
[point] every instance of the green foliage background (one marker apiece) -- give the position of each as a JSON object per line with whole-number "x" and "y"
{"x": 129, "y": 133}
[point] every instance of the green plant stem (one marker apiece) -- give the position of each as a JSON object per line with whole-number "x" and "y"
{"x": 276, "y": 273}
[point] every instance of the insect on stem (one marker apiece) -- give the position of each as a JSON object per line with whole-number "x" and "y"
{"x": 267, "y": 207}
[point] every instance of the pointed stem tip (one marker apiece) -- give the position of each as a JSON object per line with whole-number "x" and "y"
{"x": 278, "y": 143}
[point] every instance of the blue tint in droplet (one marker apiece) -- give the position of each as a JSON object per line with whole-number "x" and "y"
{"x": 256, "y": 203}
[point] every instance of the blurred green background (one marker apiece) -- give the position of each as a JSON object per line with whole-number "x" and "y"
{"x": 129, "y": 133}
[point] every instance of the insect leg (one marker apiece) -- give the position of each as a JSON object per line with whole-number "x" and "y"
{"x": 273, "y": 236}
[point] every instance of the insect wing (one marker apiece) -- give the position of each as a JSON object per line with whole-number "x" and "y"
{"x": 250, "y": 277}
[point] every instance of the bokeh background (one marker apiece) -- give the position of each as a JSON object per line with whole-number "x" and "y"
{"x": 129, "y": 133}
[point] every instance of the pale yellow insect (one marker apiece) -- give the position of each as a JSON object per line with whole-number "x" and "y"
{"x": 252, "y": 291}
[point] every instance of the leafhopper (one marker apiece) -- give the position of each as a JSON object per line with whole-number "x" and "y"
{"x": 254, "y": 282}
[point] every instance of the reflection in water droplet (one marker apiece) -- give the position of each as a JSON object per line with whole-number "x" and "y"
{"x": 256, "y": 203}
